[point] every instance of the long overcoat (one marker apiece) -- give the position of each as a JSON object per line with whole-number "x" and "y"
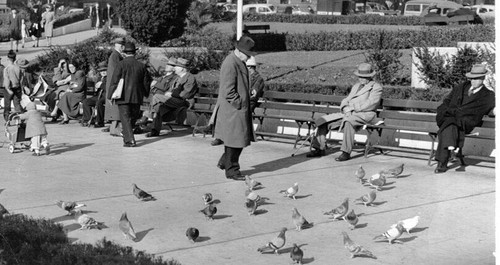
{"x": 136, "y": 83}
{"x": 111, "y": 112}
{"x": 234, "y": 119}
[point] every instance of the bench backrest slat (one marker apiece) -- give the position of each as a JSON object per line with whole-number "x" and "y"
{"x": 410, "y": 104}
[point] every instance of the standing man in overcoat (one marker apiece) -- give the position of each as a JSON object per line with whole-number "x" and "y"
{"x": 135, "y": 87}
{"x": 234, "y": 118}
{"x": 111, "y": 112}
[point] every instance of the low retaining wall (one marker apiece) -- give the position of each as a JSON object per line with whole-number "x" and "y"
{"x": 72, "y": 28}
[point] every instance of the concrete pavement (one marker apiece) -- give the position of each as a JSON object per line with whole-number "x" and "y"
{"x": 86, "y": 165}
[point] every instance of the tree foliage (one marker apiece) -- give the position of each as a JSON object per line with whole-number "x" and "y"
{"x": 153, "y": 21}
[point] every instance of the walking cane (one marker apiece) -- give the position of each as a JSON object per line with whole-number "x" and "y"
{"x": 305, "y": 140}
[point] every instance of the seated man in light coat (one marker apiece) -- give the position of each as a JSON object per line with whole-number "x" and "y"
{"x": 357, "y": 109}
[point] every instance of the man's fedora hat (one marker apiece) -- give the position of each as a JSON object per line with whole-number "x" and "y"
{"x": 129, "y": 48}
{"x": 103, "y": 66}
{"x": 478, "y": 70}
{"x": 245, "y": 45}
{"x": 23, "y": 63}
{"x": 365, "y": 70}
{"x": 11, "y": 55}
{"x": 119, "y": 41}
{"x": 181, "y": 62}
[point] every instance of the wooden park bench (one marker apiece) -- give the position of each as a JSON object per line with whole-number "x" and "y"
{"x": 203, "y": 107}
{"x": 414, "y": 116}
{"x": 263, "y": 27}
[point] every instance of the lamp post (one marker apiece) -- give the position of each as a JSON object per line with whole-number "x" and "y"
{"x": 239, "y": 19}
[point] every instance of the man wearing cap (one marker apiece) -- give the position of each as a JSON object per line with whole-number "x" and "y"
{"x": 111, "y": 112}
{"x": 461, "y": 111}
{"x": 97, "y": 101}
{"x": 136, "y": 82}
{"x": 357, "y": 109}
{"x": 184, "y": 87}
{"x": 12, "y": 84}
{"x": 233, "y": 121}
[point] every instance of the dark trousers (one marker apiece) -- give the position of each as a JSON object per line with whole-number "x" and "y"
{"x": 88, "y": 103}
{"x": 16, "y": 97}
{"x": 230, "y": 161}
{"x": 172, "y": 104}
{"x": 449, "y": 136}
{"x": 128, "y": 116}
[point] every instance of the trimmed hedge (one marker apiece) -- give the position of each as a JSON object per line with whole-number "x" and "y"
{"x": 393, "y": 92}
{"x": 66, "y": 19}
{"x": 25, "y": 240}
{"x": 371, "y": 19}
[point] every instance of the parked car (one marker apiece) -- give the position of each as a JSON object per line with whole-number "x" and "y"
{"x": 259, "y": 9}
{"x": 420, "y": 7}
{"x": 484, "y": 11}
{"x": 379, "y": 8}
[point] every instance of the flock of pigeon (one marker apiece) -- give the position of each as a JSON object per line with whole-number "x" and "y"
{"x": 253, "y": 200}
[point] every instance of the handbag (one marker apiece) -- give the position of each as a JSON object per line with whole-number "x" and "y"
{"x": 119, "y": 90}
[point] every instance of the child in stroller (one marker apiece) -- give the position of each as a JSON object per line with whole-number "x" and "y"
{"x": 35, "y": 129}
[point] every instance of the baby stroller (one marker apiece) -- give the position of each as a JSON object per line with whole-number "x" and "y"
{"x": 15, "y": 131}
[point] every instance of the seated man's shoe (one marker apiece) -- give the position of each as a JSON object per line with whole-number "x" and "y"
{"x": 85, "y": 124}
{"x": 221, "y": 166}
{"x": 343, "y": 157}
{"x": 153, "y": 133}
{"x": 217, "y": 142}
{"x": 129, "y": 144}
{"x": 236, "y": 177}
{"x": 137, "y": 130}
{"x": 105, "y": 129}
{"x": 441, "y": 168}
{"x": 98, "y": 125}
{"x": 316, "y": 153}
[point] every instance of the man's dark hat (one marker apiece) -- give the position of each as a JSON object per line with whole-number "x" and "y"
{"x": 129, "y": 48}
{"x": 119, "y": 41}
{"x": 245, "y": 45}
{"x": 11, "y": 55}
{"x": 103, "y": 66}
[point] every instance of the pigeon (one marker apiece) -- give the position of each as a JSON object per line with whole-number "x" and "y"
{"x": 86, "y": 222}
{"x": 377, "y": 181}
{"x": 393, "y": 172}
{"x": 252, "y": 183}
{"x": 69, "y": 206}
{"x": 251, "y": 206}
{"x": 126, "y": 227}
{"x": 408, "y": 224}
{"x": 352, "y": 219}
{"x": 296, "y": 254}
{"x": 192, "y": 234}
{"x": 142, "y": 195}
{"x": 299, "y": 221}
{"x": 355, "y": 249}
{"x": 340, "y": 211}
{"x": 290, "y": 192}
{"x": 209, "y": 211}
{"x": 3, "y": 211}
{"x": 392, "y": 234}
{"x": 368, "y": 198}
{"x": 360, "y": 174}
{"x": 207, "y": 198}
{"x": 277, "y": 243}
{"x": 252, "y": 196}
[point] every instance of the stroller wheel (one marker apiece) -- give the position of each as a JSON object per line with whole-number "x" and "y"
{"x": 11, "y": 148}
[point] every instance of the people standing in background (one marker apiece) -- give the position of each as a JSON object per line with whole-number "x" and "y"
{"x": 14, "y": 22}
{"x": 111, "y": 112}
{"x": 24, "y": 32}
{"x": 47, "y": 22}
{"x": 35, "y": 31}
{"x": 12, "y": 84}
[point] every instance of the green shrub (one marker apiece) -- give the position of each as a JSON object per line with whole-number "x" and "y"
{"x": 199, "y": 59}
{"x": 25, "y": 240}
{"x": 201, "y": 14}
{"x": 153, "y": 21}
{"x": 384, "y": 56}
{"x": 372, "y": 19}
{"x": 69, "y": 18}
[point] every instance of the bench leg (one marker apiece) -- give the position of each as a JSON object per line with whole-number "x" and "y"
{"x": 298, "y": 137}
{"x": 432, "y": 152}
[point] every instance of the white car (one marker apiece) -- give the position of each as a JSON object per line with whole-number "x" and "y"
{"x": 259, "y": 9}
{"x": 484, "y": 10}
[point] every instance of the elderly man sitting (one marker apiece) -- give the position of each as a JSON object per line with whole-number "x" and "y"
{"x": 357, "y": 109}
{"x": 184, "y": 87}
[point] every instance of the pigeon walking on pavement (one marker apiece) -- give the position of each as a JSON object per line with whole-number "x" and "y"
{"x": 296, "y": 254}
{"x": 368, "y": 198}
{"x": 251, "y": 206}
{"x": 126, "y": 227}
{"x": 377, "y": 181}
{"x": 276, "y": 244}
{"x": 207, "y": 198}
{"x": 393, "y": 172}
{"x": 252, "y": 183}
{"x": 409, "y": 224}
{"x": 192, "y": 234}
{"x": 360, "y": 174}
{"x": 142, "y": 195}
{"x": 69, "y": 206}
{"x": 340, "y": 211}
{"x": 292, "y": 191}
{"x": 86, "y": 221}
{"x": 355, "y": 249}
{"x": 299, "y": 221}
{"x": 392, "y": 234}
{"x": 352, "y": 219}
{"x": 209, "y": 211}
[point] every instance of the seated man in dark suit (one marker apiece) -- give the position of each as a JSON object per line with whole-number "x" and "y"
{"x": 98, "y": 101}
{"x": 183, "y": 89}
{"x": 461, "y": 111}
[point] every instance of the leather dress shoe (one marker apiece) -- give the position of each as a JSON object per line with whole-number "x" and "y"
{"x": 236, "y": 177}
{"x": 316, "y": 153}
{"x": 221, "y": 166}
{"x": 152, "y": 133}
{"x": 129, "y": 144}
{"x": 217, "y": 142}
{"x": 441, "y": 168}
{"x": 343, "y": 157}
{"x": 105, "y": 129}
{"x": 98, "y": 125}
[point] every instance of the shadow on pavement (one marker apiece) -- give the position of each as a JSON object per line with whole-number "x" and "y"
{"x": 221, "y": 216}
{"x": 203, "y": 238}
{"x": 307, "y": 260}
{"x": 260, "y": 211}
{"x": 142, "y": 234}
{"x": 58, "y": 149}
{"x": 276, "y": 165}
{"x": 418, "y": 229}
